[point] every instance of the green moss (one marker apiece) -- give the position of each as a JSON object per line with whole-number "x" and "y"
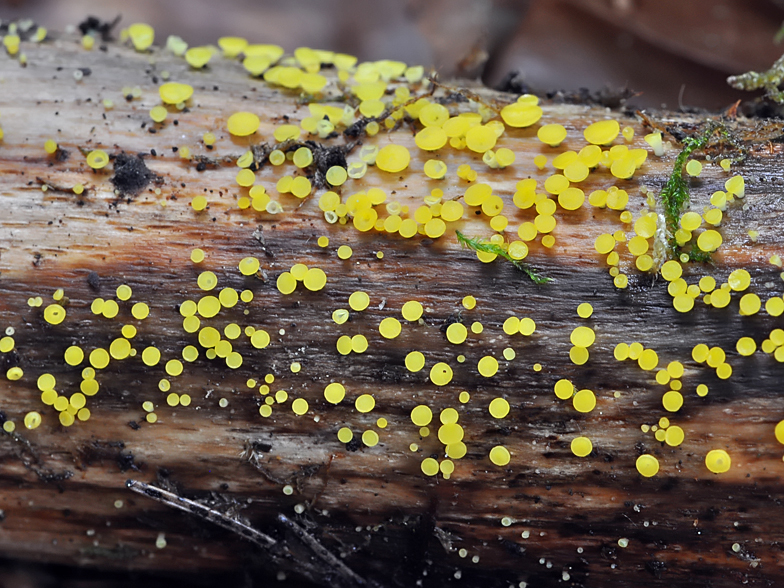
{"x": 767, "y": 80}
{"x": 479, "y": 244}
{"x": 675, "y": 194}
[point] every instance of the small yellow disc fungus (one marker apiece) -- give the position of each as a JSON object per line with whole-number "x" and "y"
{"x": 441, "y": 374}
{"x": 694, "y": 168}
{"x": 245, "y": 178}
{"x": 480, "y": 138}
{"x": 286, "y": 283}
{"x": 736, "y": 185}
{"x": 120, "y": 348}
{"x": 476, "y": 194}
{"x": 718, "y": 461}
{"x": 602, "y": 132}
{"x": 584, "y": 401}
{"x": 584, "y": 310}
{"x": 421, "y": 415}
{"x": 345, "y": 435}
{"x": 334, "y": 393}
{"x": 340, "y": 316}
{"x": 746, "y": 346}
{"x": 429, "y": 466}
{"x": 207, "y": 280}
{"x": 779, "y": 432}
{"x": 519, "y": 114}
{"x": 581, "y": 446}
{"x": 174, "y": 367}
{"x": 527, "y": 326}
{"x": 54, "y": 314}
{"x": 555, "y": 184}
{"x": 359, "y": 344}
{"x": 370, "y": 438}
{"x": 393, "y": 158}
{"x": 260, "y": 339}
{"x": 99, "y": 358}
{"x": 564, "y": 389}
{"x": 315, "y": 279}
{"x": 456, "y": 333}
{"x": 32, "y": 420}
{"x": 299, "y": 406}
{"x": 242, "y": 124}
{"x": 449, "y": 416}
{"x": 303, "y": 157}
{"x": 621, "y": 351}
{"x": 389, "y": 328}
{"x": 739, "y": 280}
{"x": 450, "y": 433}
{"x": 648, "y": 360}
{"x": 683, "y": 303}
{"x": 647, "y": 465}
{"x": 142, "y": 35}
{"x": 576, "y": 171}
{"x": 433, "y": 115}
{"x": 359, "y": 301}
{"x": 571, "y": 198}
{"x": 487, "y": 366}
{"x": 412, "y": 310}
{"x": 604, "y": 243}
{"x": 435, "y": 169}
{"x": 286, "y": 133}
{"x": 582, "y": 336}
{"x": 430, "y": 139}
{"x": 158, "y": 113}
{"x": 175, "y": 93}
{"x": 749, "y": 304}
{"x": 249, "y": 266}
{"x": 140, "y": 311}
{"x": 552, "y": 134}
{"x": 499, "y": 408}
{"x": 674, "y": 436}
{"x": 97, "y": 159}
{"x": 199, "y": 203}
{"x": 709, "y": 240}
{"x": 511, "y": 325}
{"x": 336, "y": 175}
{"x": 499, "y": 455}
{"x": 415, "y": 361}
{"x": 365, "y": 403}
{"x": 46, "y": 382}
{"x": 74, "y": 355}
{"x": 151, "y": 356}
{"x": 672, "y": 401}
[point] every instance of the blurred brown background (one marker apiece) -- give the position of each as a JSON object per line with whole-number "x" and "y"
{"x": 674, "y": 52}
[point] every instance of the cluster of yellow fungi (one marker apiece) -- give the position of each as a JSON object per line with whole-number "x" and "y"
{"x": 380, "y": 96}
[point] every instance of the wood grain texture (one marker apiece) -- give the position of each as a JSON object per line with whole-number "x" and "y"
{"x": 371, "y": 507}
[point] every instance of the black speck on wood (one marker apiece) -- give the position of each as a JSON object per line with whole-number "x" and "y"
{"x": 131, "y": 174}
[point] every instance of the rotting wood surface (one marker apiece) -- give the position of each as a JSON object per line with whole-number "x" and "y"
{"x": 370, "y": 516}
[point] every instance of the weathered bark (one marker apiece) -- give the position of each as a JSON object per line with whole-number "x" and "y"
{"x": 372, "y": 507}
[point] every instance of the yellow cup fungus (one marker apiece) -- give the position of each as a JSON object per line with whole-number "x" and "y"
{"x": 242, "y": 124}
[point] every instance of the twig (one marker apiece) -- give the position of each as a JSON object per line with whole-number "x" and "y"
{"x": 201, "y": 511}
{"x": 322, "y": 552}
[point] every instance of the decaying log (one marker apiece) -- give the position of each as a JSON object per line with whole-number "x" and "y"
{"x": 226, "y": 489}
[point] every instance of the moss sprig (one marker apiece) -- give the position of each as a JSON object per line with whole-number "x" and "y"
{"x": 767, "y": 80}
{"x": 479, "y": 244}
{"x": 675, "y": 194}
